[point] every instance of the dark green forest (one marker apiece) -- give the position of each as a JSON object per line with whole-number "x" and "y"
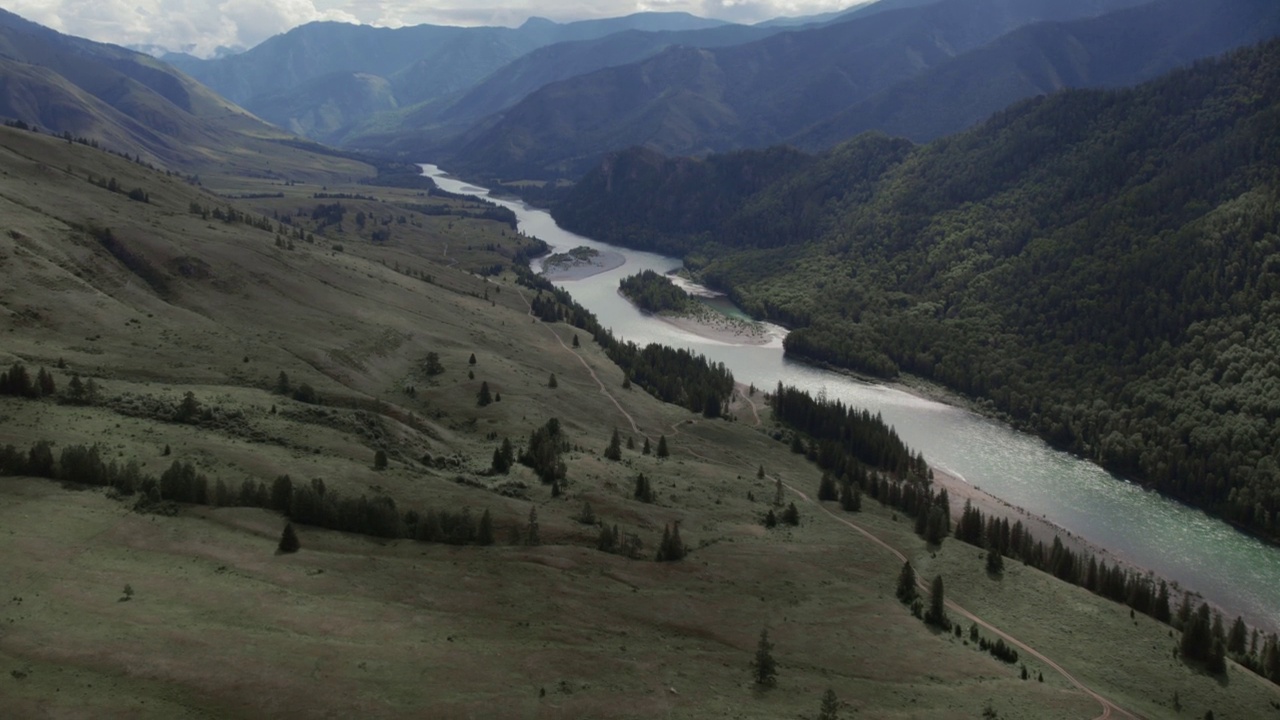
{"x": 1098, "y": 267}
{"x": 654, "y": 293}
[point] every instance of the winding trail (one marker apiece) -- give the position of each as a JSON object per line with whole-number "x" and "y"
{"x": 603, "y": 390}
{"x": 1108, "y": 707}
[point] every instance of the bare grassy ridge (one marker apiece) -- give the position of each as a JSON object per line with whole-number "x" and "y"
{"x": 220, "y": 625}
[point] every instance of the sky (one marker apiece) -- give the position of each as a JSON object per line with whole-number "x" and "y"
{"x": 202, "y": 26}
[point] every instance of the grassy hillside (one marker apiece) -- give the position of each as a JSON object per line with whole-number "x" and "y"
{"x": 109, "y": 611}
{"x": 1096, "y": 266}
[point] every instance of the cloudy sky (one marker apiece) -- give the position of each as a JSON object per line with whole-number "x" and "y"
{"x": 201, "y": 26}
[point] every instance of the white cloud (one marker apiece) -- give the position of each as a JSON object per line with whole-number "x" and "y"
{"x": 202, "y": 26}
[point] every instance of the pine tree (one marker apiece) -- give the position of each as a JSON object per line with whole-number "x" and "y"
{"x": 1237, "y": 637}
{"x": 472, "y": 360}
{"x": 645, "y": 450}
{"x": 937, "y": 614}
{"x": 830, "y": 708}
{"x": 484, "y": 532}
{"x": 907, "y": 583}
{"x": 575, "y": 340}
{"x": 531, "y": 536}
{"x": 663, "y": 451}
{"x": 282, "y": 383}
{"x": 760, "y": 473}
{"x": 672, "y": 547}
{"x": 791, "y": 515}
{"x": 380, "y": 460}
{"x": 995, "y": 562}
{"x": 827, "y": 487}
{"x": 850, "y": 498}
{"x": 551, "y": 382}
{"x": 483, "y": 397}
{"x": 289, "y": 540}
{"x": 643, "y": 491}
{"x": 614, "y": 451}
{"x": 765, "y": 670}
{"x": 770, "y": 519}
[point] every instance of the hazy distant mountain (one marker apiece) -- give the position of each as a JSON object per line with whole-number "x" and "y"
{"x": 420, "y": 62}
{"x": 686, "y": 101}
{"x": 430, "y": 124}
{"x": 1118, "y": 49}
{"x": 127, "y": 102}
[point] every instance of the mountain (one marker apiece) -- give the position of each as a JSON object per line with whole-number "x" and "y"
{"x": 1098, "y": 266}
{"x": 281, "y": 75}
{"x": 1115, "y": 50}
{"x": 686, "y": 101}
{"x": 132, "y": 103}
{"x": 437, "y": 122}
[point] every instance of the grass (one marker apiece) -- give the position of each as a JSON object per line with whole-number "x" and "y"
{"x": 221, "y": 625}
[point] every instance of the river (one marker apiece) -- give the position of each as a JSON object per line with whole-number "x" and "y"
{"x": 1232, "y": 570}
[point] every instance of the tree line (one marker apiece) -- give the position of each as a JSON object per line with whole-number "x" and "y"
{"x": 676, "y": 376}
{"x": 1097, "y": 267}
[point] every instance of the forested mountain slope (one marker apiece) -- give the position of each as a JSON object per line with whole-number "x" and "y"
{"x": 1100, "y": 266}
{"x": 1119, "y": 49}
{"x": 687, "y": 101}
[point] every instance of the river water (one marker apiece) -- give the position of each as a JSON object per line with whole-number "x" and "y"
{"x": 1236, "y": 572}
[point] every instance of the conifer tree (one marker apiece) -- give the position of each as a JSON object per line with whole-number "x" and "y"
{"x": 937, "y": 614}
{"x": 830, "y": 708}
{"x": 765, "y": 669}
{"x": 907, "y": 583}
{"x": 551, "y": 382}
{"x": 380, "y": 460}
{"x": 531, "y": 536}
{"x": 614, "y": 451}
{"x": 827, "y": 487}
{"x": 472, "y": 359}
{"x": 995, "y": 562}
{"x": 645, "y": 450}
{"x": 791, "y": 515}
{"x": 483, "y": 397}
{"x": 289, "y": 540}
{"x": 672, "y": 547}
{"x": 484, "y": 532}
{"x": 663, "y": 451}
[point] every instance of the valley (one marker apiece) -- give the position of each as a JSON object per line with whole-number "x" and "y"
{"x": 293, "y": 426}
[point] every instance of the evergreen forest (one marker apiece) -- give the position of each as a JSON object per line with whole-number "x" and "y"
{"x": 1098, "y": 267}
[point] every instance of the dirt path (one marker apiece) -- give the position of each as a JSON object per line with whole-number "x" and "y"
{"x": 755, "y": 411}
{"x": 1107, "y": 706}
{"x": 604, "y": 391}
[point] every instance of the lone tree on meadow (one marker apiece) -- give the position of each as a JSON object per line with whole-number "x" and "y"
{"x": 472, "y": 360}
{"x": 830, "y": 709}
{"x": 663, "y": 450}
{"x": 995, "y": 561}
{"x": 289, "y": 540}
{"x": 907, "y": 583}
{"x": 551, "y": 382}
{"x": 764, "y": 669}
{"x": 614, "y": 451}
{"x": 484, "y": 397}
{"x": 937, "y": 614}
